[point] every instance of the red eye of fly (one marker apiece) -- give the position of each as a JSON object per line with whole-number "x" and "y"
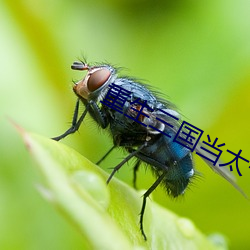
{"x": 97, "y": 79}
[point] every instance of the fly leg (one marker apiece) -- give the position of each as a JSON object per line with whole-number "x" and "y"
{"x": 75, "y": 124}
{"x": 97, "y": 114}
{"x": 145, "y": 196}
{"x": 105, "y": 155}
{"x": 124, "y": 161}
{"x": 135, "y": 169}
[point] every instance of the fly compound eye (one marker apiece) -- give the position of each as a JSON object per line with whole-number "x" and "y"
{"x": 97, "y": 79}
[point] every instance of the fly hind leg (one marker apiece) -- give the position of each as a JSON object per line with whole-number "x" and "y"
{"x": 145, "y": 196}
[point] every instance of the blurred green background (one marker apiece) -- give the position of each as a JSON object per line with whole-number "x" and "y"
{"x": 195, "y": 52}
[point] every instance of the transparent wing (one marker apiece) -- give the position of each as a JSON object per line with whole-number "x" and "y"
{"x": 222, "y": 171}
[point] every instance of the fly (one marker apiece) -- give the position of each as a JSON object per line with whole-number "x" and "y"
{"x": 140, "y": 122}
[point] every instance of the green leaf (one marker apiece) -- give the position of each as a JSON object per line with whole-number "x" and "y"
{"x": 107, "y": 215}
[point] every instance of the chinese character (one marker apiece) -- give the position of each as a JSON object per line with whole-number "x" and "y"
{"x": 188, "y": 141}
{"x": 214, "y": 161}
{"x": 116, "y": 97}
{"x": 163, "y": 121}
{"x": 236, "y": 158}
{"x": 138, "y": 115}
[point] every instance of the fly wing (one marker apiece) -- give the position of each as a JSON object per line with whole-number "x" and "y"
{"x": 222, "y": 171}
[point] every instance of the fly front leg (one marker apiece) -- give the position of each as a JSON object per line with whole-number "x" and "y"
{"x": 75, "y": 123}
{"x": 97, "y": 114}
{"x": 94, "y": 111}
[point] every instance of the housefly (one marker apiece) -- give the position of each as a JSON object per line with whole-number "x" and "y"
{"x": 140, "y": 122}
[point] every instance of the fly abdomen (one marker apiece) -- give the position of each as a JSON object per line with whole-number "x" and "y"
{"x": 179, "y": 164}
{"x": 171, "y": 158}
{"x": 178, "y": 176}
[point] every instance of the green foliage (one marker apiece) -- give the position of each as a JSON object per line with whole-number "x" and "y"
{"x": 194, "y": 52}
{"x": 106, "y": 216}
